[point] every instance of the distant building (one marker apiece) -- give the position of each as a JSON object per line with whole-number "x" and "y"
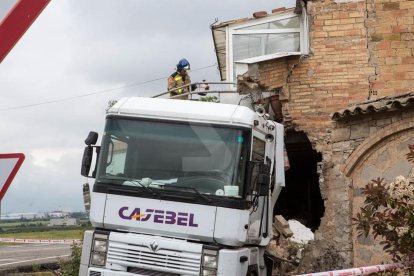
{"x": 56, "y": 214}
{"x": 65, "y": 221}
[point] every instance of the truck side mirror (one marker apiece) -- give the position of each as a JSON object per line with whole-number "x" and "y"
{"x": 263, "y": 180}
{"x": 92, "y": 138}
{"x": 88, "y": 154}
{"x": 87, "y": 161}
{"x": 258, "y": 175}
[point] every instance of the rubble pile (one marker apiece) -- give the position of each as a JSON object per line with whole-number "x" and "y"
{"x": 285, "y": 249}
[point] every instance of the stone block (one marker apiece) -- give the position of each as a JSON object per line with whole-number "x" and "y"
{"x": 341, "y": 134}
{"x": 359, "y": 131}
{"x": 282, "y": 226}
{"x": 383, "y": 122}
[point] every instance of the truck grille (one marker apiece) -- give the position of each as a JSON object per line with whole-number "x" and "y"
{"x": 147, "y": 272}
{"x": 165, "y": 260}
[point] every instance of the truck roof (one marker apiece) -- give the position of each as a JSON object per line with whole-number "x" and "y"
{"x": 184, "y": 110}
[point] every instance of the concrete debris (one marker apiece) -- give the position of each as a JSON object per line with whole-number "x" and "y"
{"x": 284, "y": 252}
{"x": 286, "y": 248}
{"x": 301, "y": 234}
{"x": 248, "y": 84}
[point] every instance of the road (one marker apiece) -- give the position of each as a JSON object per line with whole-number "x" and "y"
{"x": 29, "y": 254}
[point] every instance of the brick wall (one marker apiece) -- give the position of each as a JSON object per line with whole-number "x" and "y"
{"x": 390, "y": 28}
{"x": 274, "y": 73}
{"x": 360, "y": 50}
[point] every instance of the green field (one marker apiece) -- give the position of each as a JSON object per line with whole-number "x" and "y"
{"x": 4, "y": 224}
{"x": 14, "y": 224}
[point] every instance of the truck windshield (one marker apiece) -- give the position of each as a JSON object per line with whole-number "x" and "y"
{"x": 150, "y": 155}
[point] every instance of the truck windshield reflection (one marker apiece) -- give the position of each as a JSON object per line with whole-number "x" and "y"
{"x": 159, "y": 155}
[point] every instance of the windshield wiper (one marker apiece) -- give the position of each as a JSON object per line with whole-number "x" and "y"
{"x": 189, "y": 188}
{"x": 143, "y": 186}
{"x": 136, "y": 182}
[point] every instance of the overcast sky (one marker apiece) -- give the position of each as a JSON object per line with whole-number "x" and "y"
{"x": 105, "y": 49}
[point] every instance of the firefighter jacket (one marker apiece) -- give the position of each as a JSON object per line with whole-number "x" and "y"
{"x": 177, "y": 80}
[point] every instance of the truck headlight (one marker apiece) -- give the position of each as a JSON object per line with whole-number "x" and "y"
{"x": 99, "y": 249}
{"x": 100, "y": 245}
{"x": 209, "y": 261}
{"x": 98, "y": 259}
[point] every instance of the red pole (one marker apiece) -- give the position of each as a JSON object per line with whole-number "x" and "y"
{"x": 16, "y": 23}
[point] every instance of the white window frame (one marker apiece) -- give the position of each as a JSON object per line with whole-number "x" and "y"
{"x": 237, "y": 29}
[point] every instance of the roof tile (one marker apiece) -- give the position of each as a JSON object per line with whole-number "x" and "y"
{"x": 374, "y": 106}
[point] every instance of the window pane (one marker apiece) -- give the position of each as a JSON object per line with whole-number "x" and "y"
{"x": 279, "y": 24}
{"x": 254, "y": 45}
{"x": 118, "y": 155}
{"x": 259, "y": 148}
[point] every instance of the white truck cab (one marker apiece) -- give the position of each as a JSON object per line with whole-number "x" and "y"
{"x": 181, "y": 188}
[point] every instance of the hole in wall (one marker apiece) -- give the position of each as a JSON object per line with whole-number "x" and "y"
{"x": 301, "y": 198}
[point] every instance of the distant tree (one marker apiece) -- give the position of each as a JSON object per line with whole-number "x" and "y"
{"x": 78, "y": 215}
{"x": 212, "y": 99}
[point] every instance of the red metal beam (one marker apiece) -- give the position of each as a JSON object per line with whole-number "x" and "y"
{"x": 17, "y": 21}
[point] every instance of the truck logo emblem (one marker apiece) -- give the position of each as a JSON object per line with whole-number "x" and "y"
{"x": 153, "y": 246}
{"x": 158, "y": 216}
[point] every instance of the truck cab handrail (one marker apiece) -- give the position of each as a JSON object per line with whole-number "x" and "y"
{"x": 198, "y": 90}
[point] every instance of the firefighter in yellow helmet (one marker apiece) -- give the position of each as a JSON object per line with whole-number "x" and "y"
{"x": 179, "y": 78}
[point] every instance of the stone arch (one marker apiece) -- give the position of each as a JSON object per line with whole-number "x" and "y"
{"x": 380, "y": 155}
{"x": 362, "y": 152}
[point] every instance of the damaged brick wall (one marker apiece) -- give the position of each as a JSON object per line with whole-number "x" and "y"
{"x": 274, "y": 73}
{"x": 333, "y": 76}
{"x": 360, "y": 50}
